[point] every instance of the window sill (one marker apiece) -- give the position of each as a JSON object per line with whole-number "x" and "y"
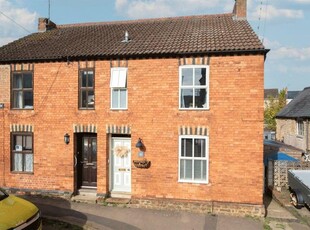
{"x": 194, "y": 109}
{"x": 21, "y": 172}
{"x": 112, "y": 109}
{"x": 299, "y": 136}
{"x": 193, "y": 182}
{"x": 22, "y": 109}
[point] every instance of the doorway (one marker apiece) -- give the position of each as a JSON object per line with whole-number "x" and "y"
{"x": 121, "y": 165}
{"x": 86, "y": 160}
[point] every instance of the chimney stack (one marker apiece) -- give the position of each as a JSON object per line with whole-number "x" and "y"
{"x": 45, "y": 24}
{"x": 240, "y": 9}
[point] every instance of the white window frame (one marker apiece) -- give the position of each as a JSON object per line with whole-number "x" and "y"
{"x": 193, "y": 87}
{"x": 118, "y": 81}
{"x": 300, "y": 131}
{"x": 193, "y": 158}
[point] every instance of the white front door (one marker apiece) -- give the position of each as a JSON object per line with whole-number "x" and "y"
{"x": 121, "y": 164}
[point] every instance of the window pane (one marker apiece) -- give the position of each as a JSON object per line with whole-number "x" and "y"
{"x": 187, "y": 76}
{"x": 199, "y": 148}
{"x": 115, "y": 95}
{"x": 85, "y": 149}
{"x": 90, "y": 79}
{"x": 188, "y": 147}
{"x": 122, "y": 78}
{"x": 200, "y": 172}
{"x": 94, "y": 150}
{"x": 200, "y": 98}
{"x": 90, "y": 99}
{"x": 18, "y": 162}
{"x": 84, "y": 79}
{"x": 18, "y": 99}
{"x": 17, "y": 81}
{"x": 28, "y": 99}
{"x": 27, "y": 80}
{"x": 114, "y": 78}
{"x": 182, "y": 162}
{"x": 28, "y": 162}
{"x": 28, "y": 143}
{"x": 84, "y": 99}
{"x": 200, "y": 76}
{"x": 123, "y": 99}
{"x": 187, "y": 98}
{"x": 17, "y": 140}
{"x": 186, "y": 169}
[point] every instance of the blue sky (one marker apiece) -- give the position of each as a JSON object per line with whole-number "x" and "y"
{"x": 283, "y": 25}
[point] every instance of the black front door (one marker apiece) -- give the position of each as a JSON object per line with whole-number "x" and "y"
{"x": 87, "y": 161}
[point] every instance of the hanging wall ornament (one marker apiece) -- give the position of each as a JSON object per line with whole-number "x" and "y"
{"x": 121, "y": 151}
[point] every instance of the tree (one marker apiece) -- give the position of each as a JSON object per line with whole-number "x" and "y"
{"x": 273, "y": 107}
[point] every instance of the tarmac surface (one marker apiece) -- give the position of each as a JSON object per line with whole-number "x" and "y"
{"x": 96, "y": 216}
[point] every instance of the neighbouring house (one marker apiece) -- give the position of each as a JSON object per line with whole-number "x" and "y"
{"x": 293, "y": 121}
{"x": 159, "y": 110}
{"x": 270, "y": 93}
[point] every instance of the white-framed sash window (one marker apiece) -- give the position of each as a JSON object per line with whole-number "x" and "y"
{"x": 118, "y": 85}
{"x": 193, "y": 159}
{"x": 194, "y": 87}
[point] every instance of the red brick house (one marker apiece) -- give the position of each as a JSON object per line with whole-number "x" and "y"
{"x": 191, "y": 88}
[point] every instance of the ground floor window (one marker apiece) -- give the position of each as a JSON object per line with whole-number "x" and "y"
{"x": 22, "y": 152}
{"x": 193, "y": 159}
{"x": 300, "y": 128}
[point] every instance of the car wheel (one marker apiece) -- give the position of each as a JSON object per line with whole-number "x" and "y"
{"x": 294, "y": 200}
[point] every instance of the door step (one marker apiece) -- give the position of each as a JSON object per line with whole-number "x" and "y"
{"x": 117, "y": 200}
{"x": 126, "y": 195}
{"x": 86, "y": 196}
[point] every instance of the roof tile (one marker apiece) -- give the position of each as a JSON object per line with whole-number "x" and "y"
{"x": 164, "y": 36}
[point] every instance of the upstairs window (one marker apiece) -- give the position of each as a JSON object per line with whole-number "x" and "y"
{"x": 22, "y": 152}
{"x": 300, "y": 128}
{"x": 86, "y": 89}
{"x": 22, "y": 90}
{"x": 194, "y": 87}
{"x": 118, "y": 85}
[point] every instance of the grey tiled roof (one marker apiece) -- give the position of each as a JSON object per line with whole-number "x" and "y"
{"x": 298, "y": 107}
{"x": 292, "y": 94}
{"x": 271, "y": 93}
{"x": 149, "y": 37}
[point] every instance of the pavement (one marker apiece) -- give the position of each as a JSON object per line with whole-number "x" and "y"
{"x": 98, "y": 216}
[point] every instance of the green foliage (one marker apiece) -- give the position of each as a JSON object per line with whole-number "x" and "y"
{"x": 272, "y": 108}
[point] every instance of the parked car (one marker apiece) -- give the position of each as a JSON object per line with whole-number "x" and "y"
{"x": 17, "y": 213}
{"x": 299, "y": 184}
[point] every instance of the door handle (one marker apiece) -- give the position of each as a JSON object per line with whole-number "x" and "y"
{"x": 75, "y": 161}
{"x": 89, "y": 164}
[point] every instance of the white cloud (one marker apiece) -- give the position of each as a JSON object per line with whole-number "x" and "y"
{"x": 271, "y": 44}
{"x": 290, "y": 53}
{"x": 271, "y": 12}
{"x": 120, "y": 4}
{"x": 164, "y": 8}
{"x": 8, "y": 29}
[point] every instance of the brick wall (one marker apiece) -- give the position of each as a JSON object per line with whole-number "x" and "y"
{"x": 5, "y": 99}
{"x": 234, "y": 122}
